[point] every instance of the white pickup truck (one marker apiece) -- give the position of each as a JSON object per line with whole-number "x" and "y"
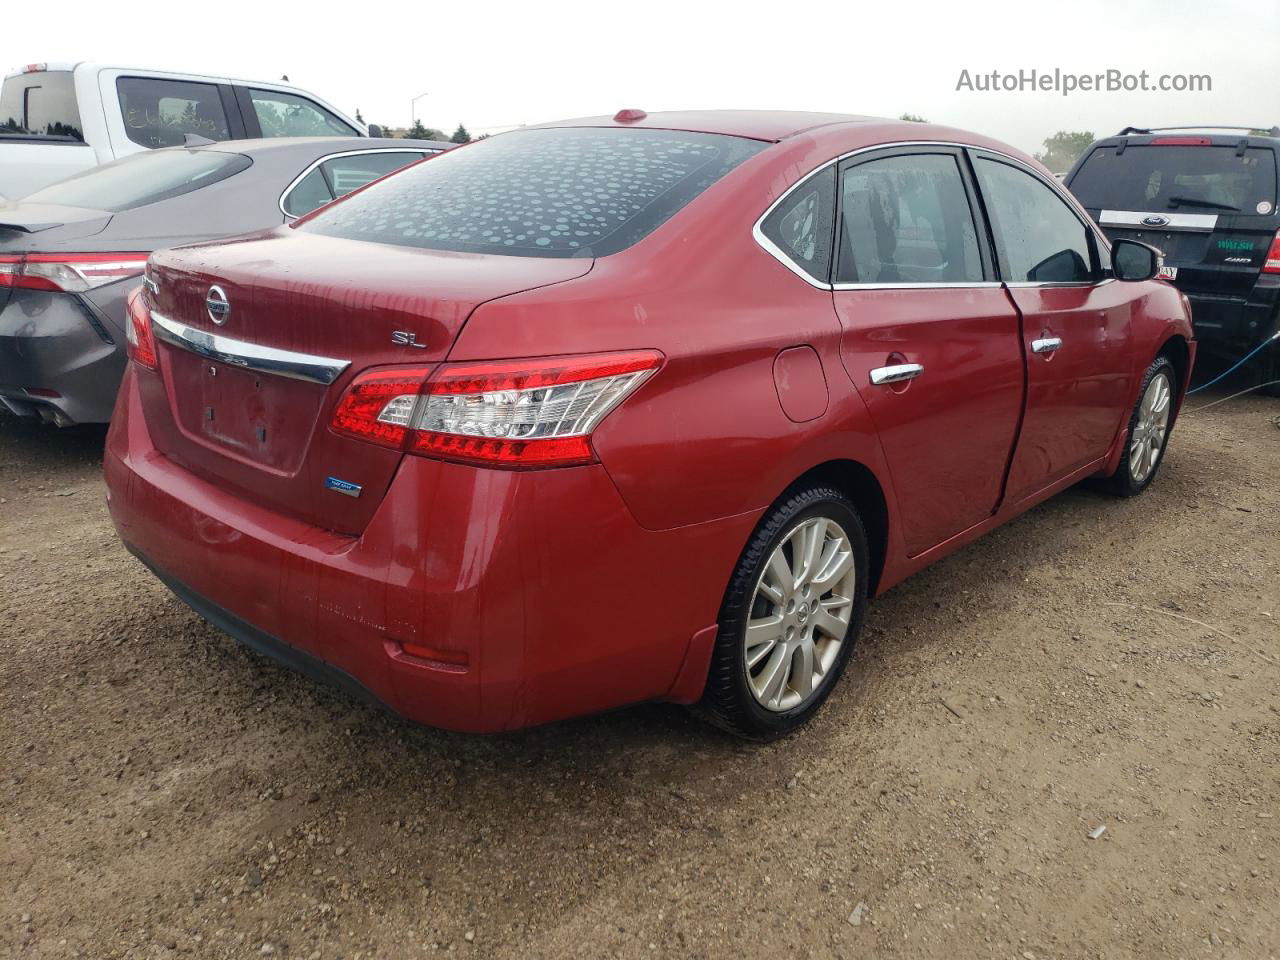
{"x": 57, "y": 119}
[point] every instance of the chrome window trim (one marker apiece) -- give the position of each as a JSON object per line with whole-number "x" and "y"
{"x": 774, "y": 251}
{"x": 249, "y": 356}
{"x": 960, "y": 285}
{"x": 1020, "y": 284}
{"x": 422, "y": 154}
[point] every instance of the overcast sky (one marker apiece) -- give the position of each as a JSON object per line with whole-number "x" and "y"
{"x": 496, "y": 64}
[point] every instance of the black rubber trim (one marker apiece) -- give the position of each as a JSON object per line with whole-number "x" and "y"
{"x": 258, "y": 640}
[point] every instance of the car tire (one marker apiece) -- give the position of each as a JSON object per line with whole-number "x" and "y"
{"x": 817, "y": 533}
{"x": 1151, "y": 421}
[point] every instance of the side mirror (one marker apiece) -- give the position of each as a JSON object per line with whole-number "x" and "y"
{"x": 1131, "y": 260}
{"x": 375, "y": 130}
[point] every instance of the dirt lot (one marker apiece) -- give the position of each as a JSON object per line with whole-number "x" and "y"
{"x": 165, "y": 793}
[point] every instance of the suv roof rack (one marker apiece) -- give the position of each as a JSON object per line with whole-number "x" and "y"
{"x": 1272, "y": 132}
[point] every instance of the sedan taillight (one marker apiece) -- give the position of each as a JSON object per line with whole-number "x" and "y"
{"x": 137, "y": 332}
{"x": 509, "y": 413}
{"x": 69, "y": 272}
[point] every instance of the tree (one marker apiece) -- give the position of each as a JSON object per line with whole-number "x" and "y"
{"x": 419, "y": 132}
{"x": 359, "y": 119}
{"x": 460, "y": 135}
{"x": 913, "y": 117}
{"x": 1061, "y": 150}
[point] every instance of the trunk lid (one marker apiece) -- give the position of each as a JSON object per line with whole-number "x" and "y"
{"x": 21, "y": 222}
{"x": 265, "y": 436}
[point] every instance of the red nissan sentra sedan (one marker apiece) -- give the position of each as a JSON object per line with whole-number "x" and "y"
{"x": 631, "y": 408}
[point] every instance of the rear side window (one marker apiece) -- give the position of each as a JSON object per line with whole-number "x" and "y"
{"x": 801, "y": 226}
{"x": 906, "y": 219}
{"x": 561, "y": 192}
{"x": 141, "y": 179}
{"x": 160, "y": 113}
{"x": 42, "y": 104}
{"x": 1186, "y": 178}
{"x": 286, "y": 115}
{"x": 1038, "y": 237}
{"x": 338, "y": 176}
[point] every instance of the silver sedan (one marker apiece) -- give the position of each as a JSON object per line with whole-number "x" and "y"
{"x": 72, "y": 252}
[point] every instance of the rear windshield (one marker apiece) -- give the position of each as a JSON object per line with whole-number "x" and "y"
{"x": 141, "y": 179}
{"x": 43, "y": 104}
{"x": 562, "y": 192}
{"x": 1178, "y": 178}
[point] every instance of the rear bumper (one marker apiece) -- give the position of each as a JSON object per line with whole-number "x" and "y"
{"x": 540, "y": 587}
{"x": 58, "y": 357}
{"x": 1237, "y": 323}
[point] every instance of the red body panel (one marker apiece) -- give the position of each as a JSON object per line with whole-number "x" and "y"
{"x": 565, "y": 591}
{"x": 952, "y": 429}
{"x": 1078, "y": 394}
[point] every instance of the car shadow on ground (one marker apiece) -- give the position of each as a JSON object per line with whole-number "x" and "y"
{"x": 31, "y": 445}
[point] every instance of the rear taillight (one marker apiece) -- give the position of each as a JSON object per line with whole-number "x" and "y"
{"x": 137, "y": 331}
{"x": 69, "y": 272}
{"x": 510, "y": 413}
{"x": 1272, "y": 263}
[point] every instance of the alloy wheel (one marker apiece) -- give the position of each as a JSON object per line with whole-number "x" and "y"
{"x": 1150, "y": 429}
{"x": 800, "y": 614}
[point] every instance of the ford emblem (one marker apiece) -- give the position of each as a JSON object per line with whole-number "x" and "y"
{"x": 1155, "y": 220}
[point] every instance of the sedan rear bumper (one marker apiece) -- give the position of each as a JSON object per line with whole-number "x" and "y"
{"x": 58, "y": 358}
{"x": 476, "y": 599}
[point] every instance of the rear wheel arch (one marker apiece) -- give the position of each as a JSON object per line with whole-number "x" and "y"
{"x": 856, "y": 481}
{"x": 1179, "y": 354}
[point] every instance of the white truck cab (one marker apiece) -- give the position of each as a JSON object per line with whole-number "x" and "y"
{"x": 57, "y": 119}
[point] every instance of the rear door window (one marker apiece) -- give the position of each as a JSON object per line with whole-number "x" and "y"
{"x": 160, "y": 113}
{"x": 1039, "y": 238}
{"x": 42, "y": 104}
{"x": 287, "y": 115}
{"x": 558, "y": 192}
{"x": 906, "y": 219}
{"x": 1168, "y": 177}
{"x": 143, "y": 178}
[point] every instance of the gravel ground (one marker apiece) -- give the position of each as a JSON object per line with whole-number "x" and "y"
{"x": 1097, "y": 663}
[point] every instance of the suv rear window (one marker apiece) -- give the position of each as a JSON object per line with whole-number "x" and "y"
{"x": 43, "y": 104}
{"x": 1178, "y": 178}
{"x": 160, "y": 113}
{"x": 141, "y": 179}
{"x": 561, "y": 192}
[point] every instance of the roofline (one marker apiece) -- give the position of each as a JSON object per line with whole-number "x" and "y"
{"x": 70, "y": 65}
{"x": 609, "y": 123}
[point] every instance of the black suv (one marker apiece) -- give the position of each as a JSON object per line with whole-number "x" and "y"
{"x": 1208, "y": 200}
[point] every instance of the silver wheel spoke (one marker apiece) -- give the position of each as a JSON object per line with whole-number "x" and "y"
{"x": 762, "y": 636}
{"x": 830, "y": 624}
{"x": 813, "y": 536}
{"x": 840, "y": 563}
{"x": 780, "y": 571}
{"x": 773, "y": 676}
{"x": 802, "y": 666}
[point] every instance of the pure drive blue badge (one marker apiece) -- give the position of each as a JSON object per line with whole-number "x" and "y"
{"x": 342, "y": 486}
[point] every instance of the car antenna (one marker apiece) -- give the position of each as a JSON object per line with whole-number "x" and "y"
{"x": 195, "y": 140}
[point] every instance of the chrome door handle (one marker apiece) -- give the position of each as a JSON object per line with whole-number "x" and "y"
{"x": 896, "y": 373}
{"x": 1046, "y": 345}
